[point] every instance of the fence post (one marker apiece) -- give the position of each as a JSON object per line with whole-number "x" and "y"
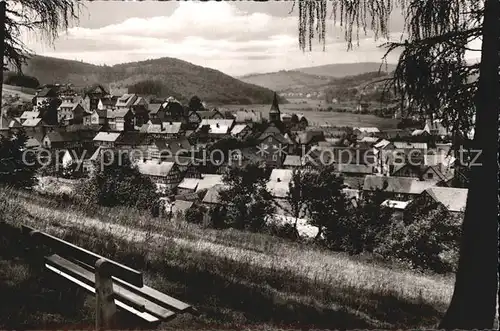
{"x": 105, "y": 302}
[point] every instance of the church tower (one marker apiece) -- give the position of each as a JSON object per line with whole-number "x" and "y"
{"x": 274, "y": 113}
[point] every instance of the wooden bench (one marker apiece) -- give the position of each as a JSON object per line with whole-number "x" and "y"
{"x": 113, "y": 283}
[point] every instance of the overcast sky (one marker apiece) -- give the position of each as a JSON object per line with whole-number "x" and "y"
{"x": 234, "y": 37}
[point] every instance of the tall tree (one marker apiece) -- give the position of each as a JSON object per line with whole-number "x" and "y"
{"x": 43, "y": 17}
{"x": 434, "y": 77}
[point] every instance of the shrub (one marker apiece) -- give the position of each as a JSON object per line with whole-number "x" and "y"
{"x": 428, "y": 241}
{"x": 195, "y": 214}
{"x": 120, "y": 185}
{"x": 18, "y": 79}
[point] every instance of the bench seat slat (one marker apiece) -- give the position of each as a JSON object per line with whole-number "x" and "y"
{"x": 120, "y": 291}
{"x": 144, "y": 315}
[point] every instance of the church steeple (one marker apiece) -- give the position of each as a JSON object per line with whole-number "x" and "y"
{"x": 274, "y": 113}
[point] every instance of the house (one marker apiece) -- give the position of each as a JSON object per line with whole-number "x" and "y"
{"x": 197, "y": 185}
{"x": 383, "y": 151}
{"x": 46, "y": 95}
{"x": 362, "y": 132}
{"x": 278, "y": 184}
{"x": 453, "y": 199}
{"x": 29, "y": 115}
{"x": 175, "y": 209}
{"x": 396, "y": 188}
{"x": 409, "y": 152}
{"x": 9, "y": 123}
{"x": 163, "y": 148}
{"x": 362, "y": 107}
{"x": 94, "y": 118}
{"x": 398, "y": 207}
{"x": 302, "y": 122}
{"x": 172, "y": 111}
{"x": 392, "y": 134}
{"x": 120, "y": 119}
{"x": 195, "y": 117}
{"x": 248, "y": 116}
{"x": 106, "y": 139}
{"x": 156, "y": 111}
{"x": 70, "y": 113}
{"x": 293, "y": 162}
{"x": 212, "y": 197}
{"x": 91, "y": 97}
{"x": 165, "y": 175}
{"x": 307, "y": 138}
{"x": 240, "y": 131}
{"x": 61, "y": 140}
{"x": 422, "y": 172}
{"x": 107, "y": 103}
{"x": 134, "y": 143}
{"x": 217, "y": 127}
{"x": 367, "y": 142}
{"x": 140, "y": 111}
{"x": 328, "y": 155}
{"x": 273, "y": 147}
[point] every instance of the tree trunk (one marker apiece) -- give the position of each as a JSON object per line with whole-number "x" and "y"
{"x": 473, "y": 305}
{"x": 2, "y": 51}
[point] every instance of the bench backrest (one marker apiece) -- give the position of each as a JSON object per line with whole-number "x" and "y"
{"x": 113, "y": 268}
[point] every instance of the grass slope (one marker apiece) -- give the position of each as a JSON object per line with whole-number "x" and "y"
{"x": 286, "y": 80}
{"x": 240, "y": 280}
{"x": 178, "y": 76}
{"x": 346, "y": 69}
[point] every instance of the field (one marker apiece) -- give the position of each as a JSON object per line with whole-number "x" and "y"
{"x": 237, "y": 280}
{"x": 26, "y": 94}
{"x": 310, "y": 109}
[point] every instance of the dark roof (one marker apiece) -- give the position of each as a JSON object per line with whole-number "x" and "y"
{"x": 207, "y": 114}
{"x": 172, "y": 145}
{"x": 132, "y": 138}
{"x": 57, "y": 136}
{"x": 307, "y": 137}
{"x": 154, "y": 108}
{"x": 82, "y": 127}
{"x": 93, "y": 89}
{"x": 396, "y": 184}
{"x": 109, "y": 101}
{"x": 48, "y": 92}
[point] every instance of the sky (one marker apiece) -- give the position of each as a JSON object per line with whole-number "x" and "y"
{"x": 235, "y": 37}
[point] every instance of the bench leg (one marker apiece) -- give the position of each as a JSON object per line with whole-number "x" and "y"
{"x": 105, "y": 302}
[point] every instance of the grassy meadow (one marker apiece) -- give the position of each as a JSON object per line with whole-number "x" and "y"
{"x": 236, "y": 280}
{"x": 310, "y": 108}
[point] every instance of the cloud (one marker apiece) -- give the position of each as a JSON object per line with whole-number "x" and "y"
{"x": 213, "y": 34}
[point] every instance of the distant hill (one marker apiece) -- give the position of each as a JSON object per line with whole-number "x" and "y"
{"x": 346, "y": 69}
{"x": 175, "y": 77}
{"x": 286, "y": 80}
{"x": 315, "y": 78}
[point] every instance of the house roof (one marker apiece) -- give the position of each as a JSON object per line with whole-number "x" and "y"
{"x": 31, "y": 122}
{"x": 107, "y": 136}
{"x": 126, "y": 100}
{"x": 217, "y": 126}
{"x": 367, "y": 129}
{"x": 396, "y": 184}
{"x": 180, "y": 206}
{"x": 238, "y": 128}
{"x": 171, "y": 127}
{"x": 454, "y": 199}
{"x": 29, "y": 114}
{"x": 206, "y": 114}
{"x": 212, "y": 196}
{"x": 109, "y": 101}
{"x": 293, "y": 160}
{"x": 56, "y": 136}
{"x": 140, "y": 101}
{"x": 394, "y": 204}
{"x": 351, "y": 193}
{"x": 370, "y": 140}
{"x": 154, "y": 108}
{"x": 155, "y": 168}
{"x": 208, "y": 180}
{"x": 172, "y": 145}
{"x": 354, "y": 168}
{"x": 132, "y": 138}
{"x": 382, "y": 144}
{"x": 117, "y": 113}
{"x": 354, "y": 182}
{"x": 189, "y": 183}
{"x": 48, "y": 92}
{"x": 409, "y": 145}
{"x": 306, "y": 137}
{"x": 82, "y": 127}
{"x": 248, "y": 116}
{"x": 32, "y": 143}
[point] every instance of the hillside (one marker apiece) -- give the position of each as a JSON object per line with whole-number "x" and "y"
{"x": 286, "y": 80}
{"x": 173, "y": 75}
{"x": 346, "y": 69}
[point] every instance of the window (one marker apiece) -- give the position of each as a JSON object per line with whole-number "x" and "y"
{"x": 275, "y": 157}
{"x": 270, "y": 139}
{"x": 430, "y": 175}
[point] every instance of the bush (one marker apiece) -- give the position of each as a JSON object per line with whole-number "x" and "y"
{"x": 18, "y": 79}
{"x": 195, "y": 214}
{"x": 120, "y": 185}
{"x": 430, "y": 241}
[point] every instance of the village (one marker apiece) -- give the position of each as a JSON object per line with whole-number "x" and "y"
{"x": 179, "y": 148}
